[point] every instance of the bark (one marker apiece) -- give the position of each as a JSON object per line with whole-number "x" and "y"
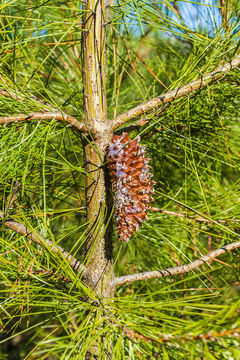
{"x": 98, "y": 204}
{"x": 41, "y": 116}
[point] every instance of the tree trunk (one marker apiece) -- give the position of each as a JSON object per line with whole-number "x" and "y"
{"x": 99, "y": 239}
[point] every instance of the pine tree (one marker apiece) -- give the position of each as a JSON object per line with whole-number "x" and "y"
{"x": 74, "y": 77}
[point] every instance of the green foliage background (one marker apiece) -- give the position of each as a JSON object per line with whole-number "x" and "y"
{"x": 45, "y": 312}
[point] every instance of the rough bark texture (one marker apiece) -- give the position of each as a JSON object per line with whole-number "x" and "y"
{"x": 99, "y": 242}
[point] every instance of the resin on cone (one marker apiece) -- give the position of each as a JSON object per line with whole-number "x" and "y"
{"x": 131, "y": 182}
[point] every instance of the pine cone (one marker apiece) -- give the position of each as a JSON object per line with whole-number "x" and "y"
{"x": 132, "y": 184}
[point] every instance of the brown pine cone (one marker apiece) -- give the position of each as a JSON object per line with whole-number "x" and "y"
{"x": 132, "y": 184}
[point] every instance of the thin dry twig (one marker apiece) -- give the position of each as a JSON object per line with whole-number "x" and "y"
{"x": 224, "y": 134}
{"x": 20, "y": 97}
{"x": 225, "y": 9}
{"x": 58, "y": 116}
{"x": 16, "y": 94}
{"x": 138, "y": 57}
{"x": 132, "y": 334}
{"x": 12, "y": 197}
{"x": 127, "y": 279}
{"x": 190, "y": 217}
{"x": 172, "y": 95}
{"x": 44, "y": 243}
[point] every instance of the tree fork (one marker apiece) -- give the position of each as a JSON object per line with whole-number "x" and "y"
{"x": 99, "y": 239}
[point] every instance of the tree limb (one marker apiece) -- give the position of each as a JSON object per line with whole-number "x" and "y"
{"x": 58, "y": 116}
{"x": 171, "y": 95}
{"x": 127, "y": 279}
{"x": 45, "y": 244}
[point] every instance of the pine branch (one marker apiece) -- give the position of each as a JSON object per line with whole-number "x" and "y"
{"x": 58, "y": 116}
{"x": 45, "y": 244}
{"x": 172, "y": 95}
{"x": 182, "y": 269}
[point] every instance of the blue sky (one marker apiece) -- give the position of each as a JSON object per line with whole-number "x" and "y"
{"x": 198, "y": 15}
{"x": 202, "y": 13}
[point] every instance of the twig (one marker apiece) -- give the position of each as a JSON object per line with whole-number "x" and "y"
{"x": 175, "y": 5}
{"x": 138, "y": 56}
{"x": 141, "y": 122}
{"x": 58, "y": 116}
{"x": 9, "y": 93}
{"x": 21, "y": 97}
{"x": 45, "y": 244}
{"x": 171, "y": 95}
{"x": 224, "y": 135}
{"x": 127, "y": 279}
{"x": 52, "y": 274}
{"x": 196, "y": 218}
{"x": 12, "y": 197}
{"x": 225, "y": 13}
{"x": 132, "y": 127}
{"x": 132, "y": 334}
